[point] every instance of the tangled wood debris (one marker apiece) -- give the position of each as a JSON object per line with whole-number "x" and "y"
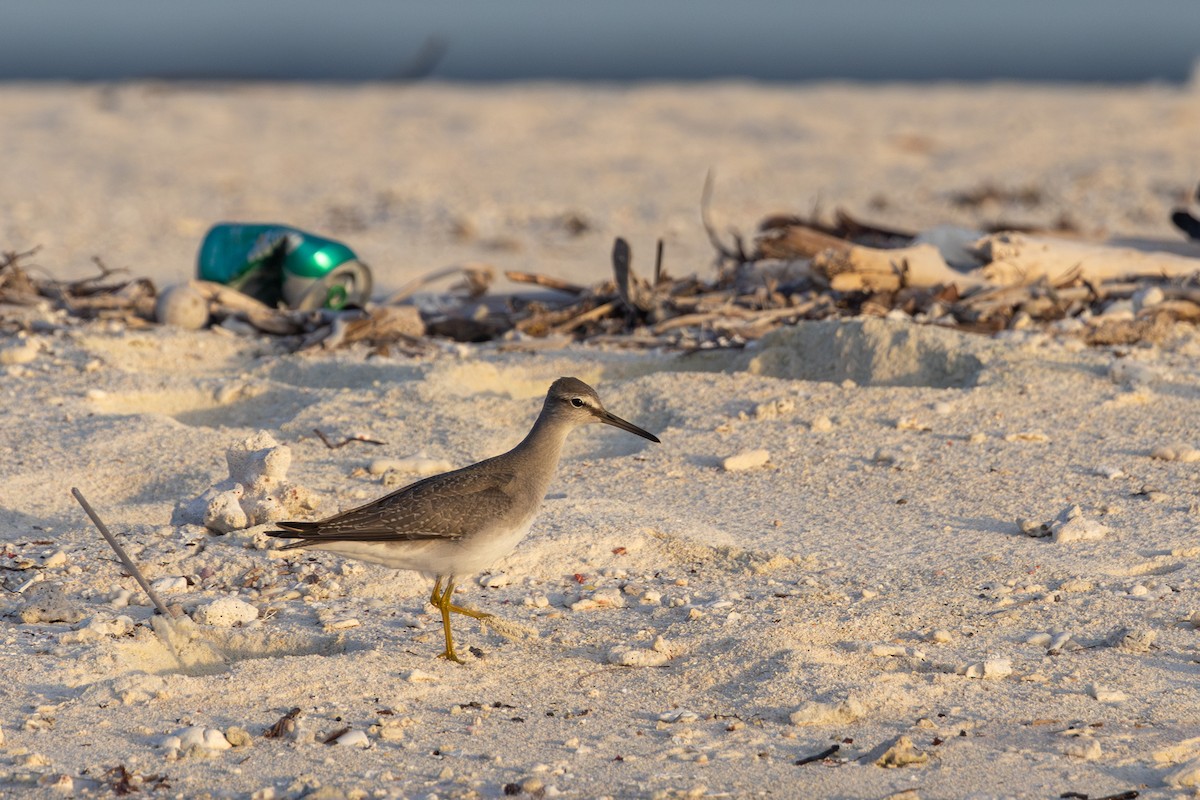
{"x": 793, "y": 268}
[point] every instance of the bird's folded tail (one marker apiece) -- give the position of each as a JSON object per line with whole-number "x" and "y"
{"x": 312, "y": 532}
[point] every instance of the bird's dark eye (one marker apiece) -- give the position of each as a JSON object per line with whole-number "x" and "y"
{"x": 577, "y": 402}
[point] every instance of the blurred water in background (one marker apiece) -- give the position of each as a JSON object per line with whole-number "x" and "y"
{"x": 613, "y": 40}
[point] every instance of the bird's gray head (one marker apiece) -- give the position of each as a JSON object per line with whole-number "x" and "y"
{"x": 572, "y": 400}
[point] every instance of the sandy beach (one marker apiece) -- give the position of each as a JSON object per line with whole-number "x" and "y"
{"x": 965, "y": 566}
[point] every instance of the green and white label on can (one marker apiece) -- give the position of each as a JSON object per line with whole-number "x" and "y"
{"x": 281, "y": 264}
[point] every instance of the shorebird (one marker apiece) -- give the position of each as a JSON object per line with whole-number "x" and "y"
{"x": 460, "y": 522}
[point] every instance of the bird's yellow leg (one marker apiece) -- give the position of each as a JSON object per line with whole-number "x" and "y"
{"x": 435, "y": 599}
{"x": 444, "y": 605}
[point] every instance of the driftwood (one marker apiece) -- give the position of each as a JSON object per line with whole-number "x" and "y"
{"x": 1013, "y": 258}
{"x": 793, "y": 268}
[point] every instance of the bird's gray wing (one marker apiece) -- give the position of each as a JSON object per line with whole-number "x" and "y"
{"x": 444, "y": 506}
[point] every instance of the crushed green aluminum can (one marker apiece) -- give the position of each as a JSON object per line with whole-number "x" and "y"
{"x": 281, "y": 264}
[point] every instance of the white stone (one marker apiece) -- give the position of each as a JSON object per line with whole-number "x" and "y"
{"x": 172, "y": 583}
{"x": 1103, "y": 695}
{"x": 197, "y": 736}
{"x": 1074, "y": 527}
{"x": 353, "y": 738}
{"x": 23, "y": 352}
{"x": 1083, "y": 748}
{"x": 747, "y": 459}
{"x": 821, "y": 424}
{"x": 225, "y": 612}
{"x": 818, "y": 713}
{"x": 183, "y": 306}
{"x": 626, "y": 656}
{"x": 991, "y": 669}
{"x": 256, "y": 491}
{"x": 1186, "y": 777}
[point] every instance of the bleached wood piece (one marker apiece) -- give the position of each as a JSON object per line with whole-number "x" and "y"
{"x": 1016, "y": 258}
{"x": 874, "y": 269}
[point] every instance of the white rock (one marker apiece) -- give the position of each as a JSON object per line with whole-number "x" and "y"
{"x": 1061, "y": 642}
{"x": 1176, "y": 452}
{"x": 1073, "y": 526}
{"x": 341, "y": 624}
{"x": 495, "y": 581}
{"x": 682, "y": 715}
{"x": 821, "y": 424}
{"x": 654, "y": 598}
{"x": 775, "y": 408}
{"x": 1035, "y": 437}
{"x": 991, "y": 669}
{"x": 172, "y": 583}
{"x": 1147, "y": 297}
{"x": 888, "y": 650}
{"x": 1186, "y": 777}
{"x": 938, "y": 636}
{"x": 353, "y": 738}
{"x": 817, "y": 713}
{"x": 98, "y": 628}
{"x": 224, "y": 512}
{"x": 420, "y": 676}
{"x": 626, "y": 656}
{"x": 1040, "y": 639}
{"x": 747, "y": 459}
{"x": 1103, "y": 695}
{"x": 197, "y": 736}
{"x": 225, "y": 612}
{"x": 23, "y": 352}
{"x": 1186, "y": 750}
{"x": 183, "y": 306}
{"x": 1083, "y": 748}
{"x": 256, "y": 491}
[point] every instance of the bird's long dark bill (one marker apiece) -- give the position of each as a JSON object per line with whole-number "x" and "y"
{"x": 617, "y": 422}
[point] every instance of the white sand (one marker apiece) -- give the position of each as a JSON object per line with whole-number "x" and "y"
{"x": 870, "y": 581}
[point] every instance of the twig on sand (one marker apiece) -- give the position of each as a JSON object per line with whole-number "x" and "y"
{"x": 547, "y": 281}
{"x": 821, "y": 756}
{"x": 335, "y": 445}
{"x": 121, "y": 554}
{"x": 738, "y": 254}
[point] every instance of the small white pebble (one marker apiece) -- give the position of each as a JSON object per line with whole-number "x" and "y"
{"x": 420, "y": 676}
{"x": 1083, "y": 748}
{"x": 1107, "y": 695}
{"x": 1035, "y": 437}
{"x": 636, "y": 657}
{"x": 821, "y": 424}
{"x": 651, "y": 598}
{"x": 225, "y": 612}
{"x": 495, "y": 581}
{"x": 939, "y": 636}
{"x": 992, "y": 669}
{"x": 747, "y": 459}
{"x": 353, "y": 738}
{"x": 174, "y": 583}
